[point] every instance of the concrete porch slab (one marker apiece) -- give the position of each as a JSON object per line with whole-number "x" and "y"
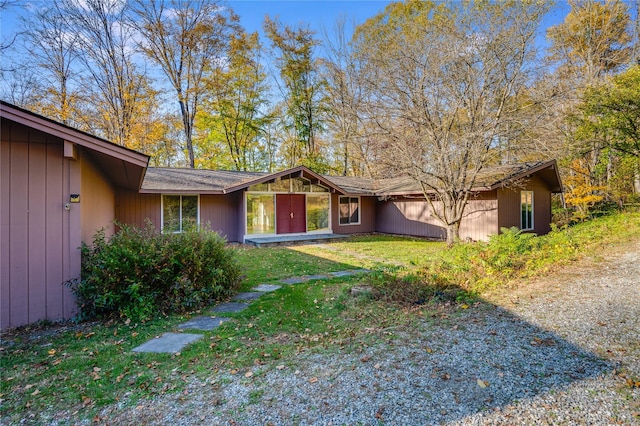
{"x": 283, "y": 240}
{"x": 168, "y": 343}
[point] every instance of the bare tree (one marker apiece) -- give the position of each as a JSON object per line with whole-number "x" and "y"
{"x": 444, "y": 81}
{"x": 53, "y": 49}
{"x": 186, "y": 39}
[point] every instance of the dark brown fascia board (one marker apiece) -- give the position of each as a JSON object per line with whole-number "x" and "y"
{"x": 529, "y": 172}
{"x": 64, "y": 132}
{"x": 302, "y": 170}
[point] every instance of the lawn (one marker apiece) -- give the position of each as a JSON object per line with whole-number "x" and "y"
{"x": 69, "y": 372}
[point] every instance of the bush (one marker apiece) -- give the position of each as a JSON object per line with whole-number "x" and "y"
{"x": 139, "y": 273}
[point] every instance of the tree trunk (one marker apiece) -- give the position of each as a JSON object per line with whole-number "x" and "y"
{"x": 453, "y": 233}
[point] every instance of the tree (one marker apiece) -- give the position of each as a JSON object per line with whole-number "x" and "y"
{"x": 54, "y": 50}
{"x": 118, "y": 93}
{"x": 302, "y": 88}
{"x": 594, "y": 40}
{"x": 444, "y": 79}
{"x": 344, "y": 92}
{"x": 236, "y": 104}
{"x": 186, "y": 40}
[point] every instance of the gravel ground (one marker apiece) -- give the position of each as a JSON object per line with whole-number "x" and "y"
{"x": 556, "y": 351}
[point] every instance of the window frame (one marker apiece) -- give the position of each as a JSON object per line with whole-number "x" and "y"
{"x": 527, "y": 208}
{"x": 359, "y": 209}
{"x": 181, "y": 230}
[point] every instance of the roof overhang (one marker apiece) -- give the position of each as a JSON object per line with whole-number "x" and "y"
{"x": 123, "y": 166}
{"x": 547, "y": 171}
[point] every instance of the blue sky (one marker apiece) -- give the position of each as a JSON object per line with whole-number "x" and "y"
{"x": 316, "y": 13}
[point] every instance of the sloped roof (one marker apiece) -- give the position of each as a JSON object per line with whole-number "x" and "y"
{"x": 488, "y": 179}
{"x": 164, "y": 179}
{"x": 200, "y": 181}
{"x": 124, "y": 167}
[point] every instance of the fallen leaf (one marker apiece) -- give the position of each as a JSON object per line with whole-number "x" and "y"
{"x": 365, "y": 358}
{"x": 377, "y": 366}
{"x": 86, "y": 400}
{"x": 35, "y": 392}
{"x": 248, "y": 374}
{"x": 464, "y": 306}
{"x": 483, "y": 384}
{"x": 234, "y": 371}
{"x": 280, "y": 367}
{"x": 52, "y": 351}
{"x": 313, "y": 380}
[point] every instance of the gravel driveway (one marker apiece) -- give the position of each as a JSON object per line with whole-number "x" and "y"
{"x": 556, "y": 351}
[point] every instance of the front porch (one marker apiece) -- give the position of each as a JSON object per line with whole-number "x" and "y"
{"x": 285, "y": 240}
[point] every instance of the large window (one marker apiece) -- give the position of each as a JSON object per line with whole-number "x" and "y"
{"x": 317, "y": 212}
{"x": 526, "y": 210}
{"x": 179, "y": 213}
{"x": 349, "y": 210}
{"x": 261, "y": 214}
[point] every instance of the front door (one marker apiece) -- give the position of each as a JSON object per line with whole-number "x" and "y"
{"x": 290, "y": 213}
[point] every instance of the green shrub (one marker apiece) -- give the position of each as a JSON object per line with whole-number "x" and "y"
{"x": 139, "y": 273}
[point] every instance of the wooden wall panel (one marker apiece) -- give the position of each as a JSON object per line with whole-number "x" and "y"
{"x": 54, "y": 239}
{"x": 509, "y": 202}
{"x": 36, "y": 214}
{"x": 134, "y": 209}
{"x": 220, "y": 213}
{"x": 407, "y": 216}
{"x": 5, "y": 227}
{"x": 97, "y": 201}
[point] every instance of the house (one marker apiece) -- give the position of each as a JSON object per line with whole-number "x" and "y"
{"x": 59, "y": 186}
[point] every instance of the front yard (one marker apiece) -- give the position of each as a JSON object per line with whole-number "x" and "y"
{"x": 51, "y": 373}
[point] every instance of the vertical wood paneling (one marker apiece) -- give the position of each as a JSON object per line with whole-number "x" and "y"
{"x": 18, "y": 235}
{"x": 134, "y": 209}
{"x": 54, "y": 231}
{"x": 97, "y": 201}
{"x": 219, "y": 212}
{"x": 37, "y": 228}
{"x": 72, "y": 250}
{"x": 509, "y": 202}
{"x": 5, "y": 228}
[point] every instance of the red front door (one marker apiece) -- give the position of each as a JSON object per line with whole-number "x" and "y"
{"x": 290, "y": 213}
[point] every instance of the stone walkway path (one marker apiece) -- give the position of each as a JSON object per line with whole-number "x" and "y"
{"x": 175, "y": 342}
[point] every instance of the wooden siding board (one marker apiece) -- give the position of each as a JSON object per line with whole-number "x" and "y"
{"x": 72, "y": 250}
{"x": 54, "y": 231}
{"x": 18, "y": 237}
{"x": 407, "y": 216}
{"x": 219, "y": 212}
{"x": 5, "y": 228}
{"x": 37, "y": 231}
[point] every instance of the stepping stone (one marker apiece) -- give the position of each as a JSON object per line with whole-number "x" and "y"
{"x": 294, "y": 280}
{"x": 316, "y": 277}
{"x": 250, "y": 295}
{"x": 266, "y": 287}
{"x": 203, "y": 323}
{"x": 230, "y": 307}
{"x": 168, "y": 343}
{"x": 341, "y": 273}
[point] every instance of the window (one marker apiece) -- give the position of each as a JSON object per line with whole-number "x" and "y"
{"x": 526, "y": 210}
{"x": 349, "y": 210}
{"x": 260, "y": 214}
{"x": 179, "y": 213}
{"x": 317, "y": 212}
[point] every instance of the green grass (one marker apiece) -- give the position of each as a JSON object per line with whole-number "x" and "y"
{"x": 72, "y": 371}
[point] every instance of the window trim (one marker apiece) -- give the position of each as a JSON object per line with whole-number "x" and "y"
{"x": 359, "y": 201}
{"x": 178, "y": 195}
{"x": 529, "y": 202}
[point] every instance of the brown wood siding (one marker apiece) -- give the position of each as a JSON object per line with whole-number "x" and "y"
{"x": 509, "y": 203}
{"x": 367, "y": 216}
{"x": 135, "y": 209}
{"x": 407, "y": 216}
{"x": 97, "y": 201}
{"x": 39, "y": 239}
{"x": 220, "y": 213}
{"x": 413, "y": 216}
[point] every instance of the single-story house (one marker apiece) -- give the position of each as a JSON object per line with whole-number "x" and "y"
{"x": 60, "y": 185}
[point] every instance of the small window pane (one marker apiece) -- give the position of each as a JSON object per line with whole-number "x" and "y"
{"x": 300, "y": 185}
{"x": 171, "y": 213}
{"x": 280, "y": 186}
{"x": 189, "y": 212}
{"x": 344, "y": 210}
{"x": 355, "y": 211}
{"x": 526, "y": 210}
{"x": 260, "y": 214}
{"x": 317, "y": 212}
